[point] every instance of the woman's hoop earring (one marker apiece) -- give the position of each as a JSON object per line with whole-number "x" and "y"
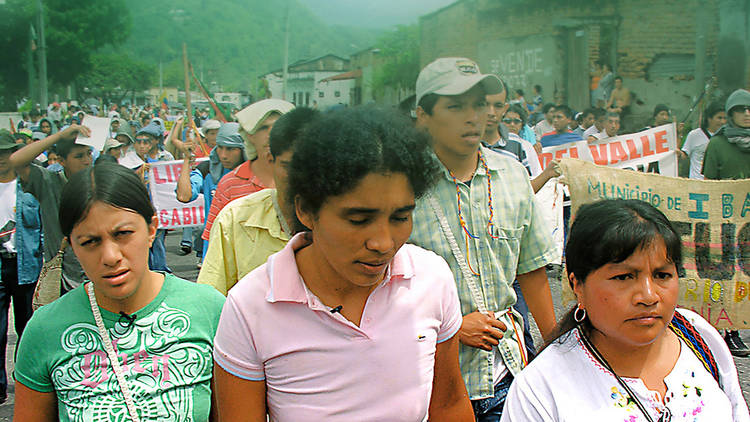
{"x": 579, "y": 316}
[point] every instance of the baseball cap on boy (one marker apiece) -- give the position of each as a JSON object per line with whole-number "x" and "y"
{"x": 454, "y": 76}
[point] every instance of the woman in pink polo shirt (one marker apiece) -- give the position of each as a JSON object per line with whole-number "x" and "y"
{"x": 347, "y": 323}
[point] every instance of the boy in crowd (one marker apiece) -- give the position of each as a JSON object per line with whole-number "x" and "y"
{"x": 495, "y": 208}
{"x": 46, "y": 186}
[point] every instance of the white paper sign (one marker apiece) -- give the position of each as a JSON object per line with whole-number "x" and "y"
{"x": 100, "y": 128}
{"x": 172, "y": 213}
{"x": 130, "y": 160}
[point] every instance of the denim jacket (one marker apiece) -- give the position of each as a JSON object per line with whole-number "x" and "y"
{"x": 28, "y": 237}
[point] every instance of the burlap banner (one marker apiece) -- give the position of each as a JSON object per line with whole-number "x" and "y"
{"x": 713, "y": 218}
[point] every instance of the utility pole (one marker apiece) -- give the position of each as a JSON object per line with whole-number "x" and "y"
{"x": 161, "y": 75}
{"x": 30, "y": 65}
{"x": 42, "y": 59}
{"x": 285, "y": 72}
{"x": 701, "y": 29}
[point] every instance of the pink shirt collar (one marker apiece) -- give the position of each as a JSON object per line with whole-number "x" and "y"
{"x": 287, "y": 284}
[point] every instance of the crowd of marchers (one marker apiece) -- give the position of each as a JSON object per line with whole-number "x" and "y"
{"x": 356, "y": 264}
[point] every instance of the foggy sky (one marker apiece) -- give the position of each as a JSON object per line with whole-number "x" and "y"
{"x": 373, "y": 13}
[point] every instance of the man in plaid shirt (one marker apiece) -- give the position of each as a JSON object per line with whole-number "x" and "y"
{"x": 482, "y": 218}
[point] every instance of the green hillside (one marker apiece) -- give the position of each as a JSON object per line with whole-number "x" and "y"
{"x": 232, "y": 41}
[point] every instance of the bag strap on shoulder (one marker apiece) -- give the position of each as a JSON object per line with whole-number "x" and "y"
{"x": 690, "y": 335}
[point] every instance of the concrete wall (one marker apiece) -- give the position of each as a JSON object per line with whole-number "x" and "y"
{"x": 329, "y": 90}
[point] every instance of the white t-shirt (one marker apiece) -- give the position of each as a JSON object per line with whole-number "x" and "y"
{"x": 543, "y": 127}
{"x": 695, "y": 148}
{"x": 566, "y": 383}
{"x": 8, "y": 216}
{"x": 591, "y": 131}
{"x": 601, "y": 135}
{"x": 531, "y": 155}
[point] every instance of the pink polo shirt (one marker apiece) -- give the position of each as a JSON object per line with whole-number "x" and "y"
{"x": 317, "y": 364}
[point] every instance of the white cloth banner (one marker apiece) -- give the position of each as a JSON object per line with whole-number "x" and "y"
{"x": 550, "y": 200}
{"x": 172, "y": 213}
{"x": 650, "y": 151}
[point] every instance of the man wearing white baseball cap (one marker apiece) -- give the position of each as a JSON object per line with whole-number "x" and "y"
{"x": 256, "y": 121}
{"x": 490, "y": 231}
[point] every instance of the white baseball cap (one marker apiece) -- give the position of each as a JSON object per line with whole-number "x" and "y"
{"x": 251, "y": 116}
{"x": 454, "y": 76}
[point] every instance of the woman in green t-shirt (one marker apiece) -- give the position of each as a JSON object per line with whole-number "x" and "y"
{"x": 132, "y": 344}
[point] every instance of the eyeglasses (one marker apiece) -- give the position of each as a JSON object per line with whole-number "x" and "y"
{"x": 513, "y": 121}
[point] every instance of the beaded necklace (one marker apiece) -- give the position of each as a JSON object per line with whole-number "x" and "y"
{"x": 490, "y": 224}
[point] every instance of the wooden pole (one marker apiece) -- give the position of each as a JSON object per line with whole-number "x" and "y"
{"x": 188, "y": 109}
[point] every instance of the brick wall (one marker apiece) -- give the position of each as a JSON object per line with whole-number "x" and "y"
{"x": 630, "y": 34}
{"x": 651, "y": 28}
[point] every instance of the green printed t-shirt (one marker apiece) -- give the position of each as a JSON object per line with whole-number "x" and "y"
{"x": 165, "y": 355}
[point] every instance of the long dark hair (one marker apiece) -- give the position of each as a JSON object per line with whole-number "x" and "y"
{"x": 609, "y": 231}
{"x": 106, "y": 182}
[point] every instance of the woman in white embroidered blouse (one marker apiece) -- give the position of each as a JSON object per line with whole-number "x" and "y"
{"x": 624, "y": 353}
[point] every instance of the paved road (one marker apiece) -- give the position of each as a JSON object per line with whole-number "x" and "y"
{"x": 185, "y": 267}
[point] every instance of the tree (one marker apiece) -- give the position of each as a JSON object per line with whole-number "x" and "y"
{"x": 115, "y": 76}
{"x": 399, "y": 52}
{"x": 15, "y": 28}
{"x": 73, "y": 32}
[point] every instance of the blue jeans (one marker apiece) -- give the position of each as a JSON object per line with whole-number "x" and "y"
{"x": 157, "y": 255}
{"x": 491, "y": 408}
{"x": 22, "y": 295}
{"x": 187, "y": 236}
{"x": 523, "y": 309}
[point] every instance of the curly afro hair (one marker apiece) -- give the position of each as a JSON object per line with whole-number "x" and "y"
{"x": 335, "y": 152}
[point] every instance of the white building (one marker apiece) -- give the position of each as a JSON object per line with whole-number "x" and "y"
{"x": 311, "y": 82}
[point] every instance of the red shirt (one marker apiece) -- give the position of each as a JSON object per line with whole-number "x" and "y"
{"x": 237, "y": 183}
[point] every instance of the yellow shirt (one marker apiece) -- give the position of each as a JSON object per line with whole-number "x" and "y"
{"x": 244, "y": 234}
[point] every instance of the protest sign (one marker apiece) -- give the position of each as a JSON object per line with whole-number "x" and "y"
{"x": 169, "y": 122}
{"x": 550, "y": 201}
{"x": 651, "y": 151}
{"x": 172, "y": 213}
{"x": 713, "y": 220}
{"x": 99, "y": 127}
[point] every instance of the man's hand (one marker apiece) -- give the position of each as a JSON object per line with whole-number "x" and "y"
{"x": 186, "y": 147}
{"x": 481, "y": 331}
{"x": 72, "y": 131}
{"x": 552, "y": 169}
{"x": 680, "y": 129}
{"x": 142, "y": 171}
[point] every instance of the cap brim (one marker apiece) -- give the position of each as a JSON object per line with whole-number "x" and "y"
{"x": 490, "y": 83}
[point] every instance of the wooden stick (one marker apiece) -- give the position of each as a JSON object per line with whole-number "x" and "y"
{"x": 188, "y": 109}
